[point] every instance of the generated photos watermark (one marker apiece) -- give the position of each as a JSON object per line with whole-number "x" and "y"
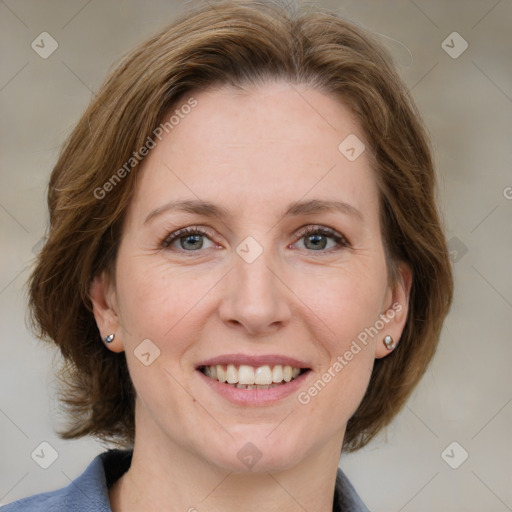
{"x": 304, "y": 397}
{"x": 137, "y": 156}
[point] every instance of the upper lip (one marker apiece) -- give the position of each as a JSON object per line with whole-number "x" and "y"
{"x": 255, "y": 361}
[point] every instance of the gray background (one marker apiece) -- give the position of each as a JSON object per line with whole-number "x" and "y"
{"x": 466, "y": 396}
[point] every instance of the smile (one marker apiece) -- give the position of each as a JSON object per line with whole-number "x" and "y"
{"x": 248, "y": 377}
{"x": 254, "y": 380}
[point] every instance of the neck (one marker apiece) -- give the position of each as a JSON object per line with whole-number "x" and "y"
{"x": 165, "y": 476}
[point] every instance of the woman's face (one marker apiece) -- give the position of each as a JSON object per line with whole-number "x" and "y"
{"x": 282, "y": 265}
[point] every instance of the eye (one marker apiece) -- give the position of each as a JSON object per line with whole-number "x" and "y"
{"x": 191, "y": 239}
{"x": 316, "y": 238}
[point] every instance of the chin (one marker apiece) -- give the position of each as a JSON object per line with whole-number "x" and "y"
{"x": 260, "y": 450}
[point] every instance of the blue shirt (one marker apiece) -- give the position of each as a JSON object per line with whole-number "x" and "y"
{"x": 89, "y": 491}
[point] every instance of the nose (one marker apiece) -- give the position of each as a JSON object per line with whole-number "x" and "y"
{"x": 255, "y": 300}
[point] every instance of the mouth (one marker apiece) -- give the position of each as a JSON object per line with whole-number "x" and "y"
{"x": 245, "y": 376}
{"x": 254, "y": 380}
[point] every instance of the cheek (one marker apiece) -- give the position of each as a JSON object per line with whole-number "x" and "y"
{"x": 165, "y": 308}
{"x": 346, "y": 307}
{"x": 347, "y": 300}
{"x": 156, "y": 301}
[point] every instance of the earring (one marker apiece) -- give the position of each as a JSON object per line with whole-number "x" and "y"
{"x": 389, "y": 342}
{"x": 109, "y": 339}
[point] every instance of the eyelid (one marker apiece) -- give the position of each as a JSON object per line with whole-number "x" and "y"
{"x": 340, "y": 238}
{"x": 189, "y": 230}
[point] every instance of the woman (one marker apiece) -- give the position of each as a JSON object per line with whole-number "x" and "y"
{"x": 245, "y": 271}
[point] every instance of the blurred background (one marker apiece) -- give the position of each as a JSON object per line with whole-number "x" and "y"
{"x": 451, "y": 447}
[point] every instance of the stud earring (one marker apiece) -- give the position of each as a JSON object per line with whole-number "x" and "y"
{"x": 109, "y": 339}
{"x": 389, "y": 342}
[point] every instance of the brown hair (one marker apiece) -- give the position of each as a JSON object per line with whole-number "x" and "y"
{"x": 233, "y": 43}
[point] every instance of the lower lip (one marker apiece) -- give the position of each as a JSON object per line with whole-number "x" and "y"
{"x": 255, "y": 396}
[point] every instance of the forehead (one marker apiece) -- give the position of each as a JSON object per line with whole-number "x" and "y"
{"x": 265, "y": 145}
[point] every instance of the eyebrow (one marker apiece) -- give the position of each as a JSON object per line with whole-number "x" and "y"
{"x": 311, "y": 207}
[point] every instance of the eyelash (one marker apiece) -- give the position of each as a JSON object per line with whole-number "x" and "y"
{"x": 340, "y": 240}
{"x": 194, "y": 230}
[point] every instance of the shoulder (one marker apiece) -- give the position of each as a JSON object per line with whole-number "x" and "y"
{"x": 87, "y": 493}
{"x": 346, "y": 498}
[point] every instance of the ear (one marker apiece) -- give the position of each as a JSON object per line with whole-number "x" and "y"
{"x": 394, "y": 311}
{"x": 104, "y": 304}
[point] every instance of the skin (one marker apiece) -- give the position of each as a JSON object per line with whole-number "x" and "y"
{"x": 253, "y": 152}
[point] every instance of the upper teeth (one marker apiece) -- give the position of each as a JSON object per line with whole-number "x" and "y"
{"x": 244, "y": 374}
